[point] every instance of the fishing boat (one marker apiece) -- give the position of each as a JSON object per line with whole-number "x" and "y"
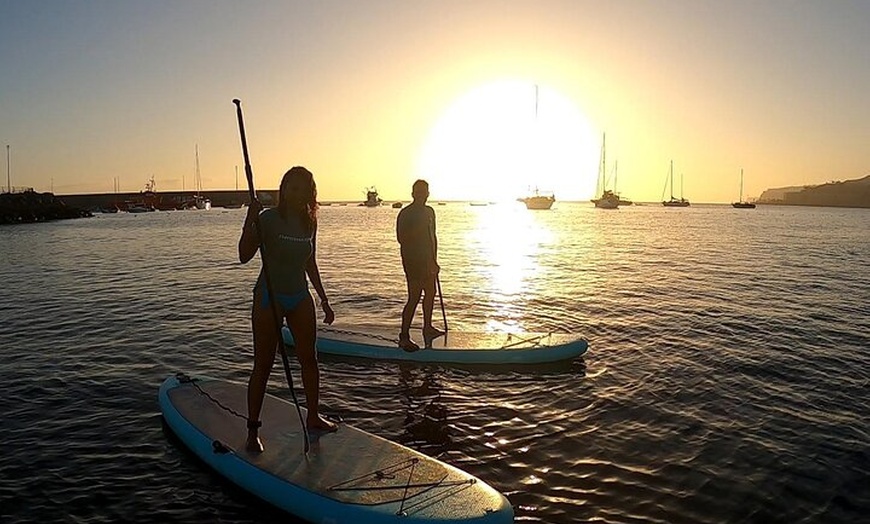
{"x": 147, "y": 199}
{"x": 372, "y": 198}
{"x": 608, "y": 199}
{"x": 397, "y": 205}
{"x": 538, "y": 200}
{"x": 741, "y": 204}
{"x": 675, "y": 202}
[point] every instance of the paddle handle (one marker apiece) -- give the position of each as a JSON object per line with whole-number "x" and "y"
{"x": 249, "y": 172}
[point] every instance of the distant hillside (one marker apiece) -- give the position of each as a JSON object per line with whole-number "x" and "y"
{"x": 778, "y": 194}
{"x": 850, "y": 193}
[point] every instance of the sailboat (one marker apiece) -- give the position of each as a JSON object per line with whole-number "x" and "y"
{"x": 675, "y": 202}
{"x": 740, "y": 204}
{"x": 538, "y": 200}
{"x": 200, "y": 201}
{"x": 608, "y": 199}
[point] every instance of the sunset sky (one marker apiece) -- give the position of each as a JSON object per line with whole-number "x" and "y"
{"x": 383, "y": 92}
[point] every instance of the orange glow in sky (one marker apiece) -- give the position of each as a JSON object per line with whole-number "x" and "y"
{"x": 381, "y": 92}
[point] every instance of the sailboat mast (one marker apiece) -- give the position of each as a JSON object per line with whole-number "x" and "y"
{"x": 197, "y": 182}
{"x": 536, "y": 102}
{"x": 672, "y": 179}
{"x": 741, "y": 185}
{"x": 599, "y": 178}
{"x": 681, "y": 186}
{"x": 615, "y": 174}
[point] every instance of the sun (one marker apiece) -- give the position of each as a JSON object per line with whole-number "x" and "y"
{"x": 504, "y": 139}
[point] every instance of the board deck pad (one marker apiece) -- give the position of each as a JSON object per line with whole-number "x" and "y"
{"x": 349, "y": 466}
{"x": 455, "y": 347}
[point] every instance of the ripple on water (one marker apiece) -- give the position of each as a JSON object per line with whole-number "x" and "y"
{"x": 724, "y": 382}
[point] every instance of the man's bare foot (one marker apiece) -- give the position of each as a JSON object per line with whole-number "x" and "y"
{"x": 319, "y": 424}
{"x": 254, "y": 444}
{"x": 407, "y": 344}
{"x": 432, "y": 332}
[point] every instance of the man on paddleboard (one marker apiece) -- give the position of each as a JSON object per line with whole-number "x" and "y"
{"x": 415, "y": 231}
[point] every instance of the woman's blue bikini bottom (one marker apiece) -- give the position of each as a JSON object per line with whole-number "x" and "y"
{"x": 286, "y": 302}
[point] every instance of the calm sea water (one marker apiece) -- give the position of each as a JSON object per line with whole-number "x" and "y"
{"x": 728, "y": 376}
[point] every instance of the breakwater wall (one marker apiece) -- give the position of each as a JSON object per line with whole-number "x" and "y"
{"x": 169, "y": 199}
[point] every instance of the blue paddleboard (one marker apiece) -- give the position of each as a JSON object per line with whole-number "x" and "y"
{"x": 456, "y": 347}
{"x": 347, "y": 476}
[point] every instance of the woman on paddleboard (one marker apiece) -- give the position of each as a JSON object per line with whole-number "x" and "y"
{"x": 290, "y": 245}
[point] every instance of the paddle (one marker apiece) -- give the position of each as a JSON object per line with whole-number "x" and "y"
{"x": 432, "y": 244}
{"x": 441, "y": 299}
{"x": 278, "y": 321}
{"x": 438, "y": 279}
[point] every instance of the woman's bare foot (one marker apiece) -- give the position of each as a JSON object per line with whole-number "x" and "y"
{"x": 254, "y": 444}
{"x": 407, "y": 344}
{"x": 318, "y": 424}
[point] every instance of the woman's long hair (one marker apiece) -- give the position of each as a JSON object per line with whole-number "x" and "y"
{"x": 303, "y": 203}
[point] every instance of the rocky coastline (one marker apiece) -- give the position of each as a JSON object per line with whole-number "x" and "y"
{"x": 28, "y": 206}
{"x": 848, "y": 193}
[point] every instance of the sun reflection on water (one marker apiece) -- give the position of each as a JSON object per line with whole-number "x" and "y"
{"x": 508, "y": 239}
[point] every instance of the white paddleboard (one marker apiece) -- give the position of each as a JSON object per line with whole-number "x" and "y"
{"x": 347, "y": 476}
{"x": 456, "y": 347}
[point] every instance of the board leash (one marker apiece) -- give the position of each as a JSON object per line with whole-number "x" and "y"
{"x": 185, "y": 379}
{"x": 339, "y": 331}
